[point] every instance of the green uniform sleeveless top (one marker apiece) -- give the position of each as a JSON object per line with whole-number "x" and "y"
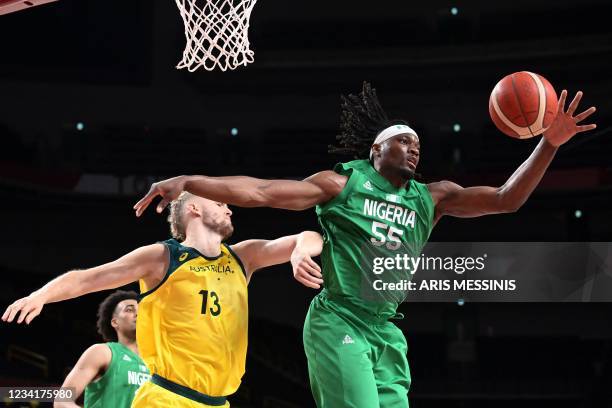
{"x": 369, "y": 222}
{"x": 124, "y": 375}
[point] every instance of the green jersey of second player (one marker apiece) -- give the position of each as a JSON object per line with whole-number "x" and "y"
{"x": 124, "y": 375}
{"x": 367, "y": 228}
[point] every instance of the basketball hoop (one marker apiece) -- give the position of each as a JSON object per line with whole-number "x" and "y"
{"x": 10, "y": 6}
{"x": 217, "y": 34}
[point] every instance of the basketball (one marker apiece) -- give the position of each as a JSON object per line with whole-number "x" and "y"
{"x": 523, "y": 104}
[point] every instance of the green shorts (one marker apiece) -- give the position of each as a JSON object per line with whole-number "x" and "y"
{"x": 355, "y": 360}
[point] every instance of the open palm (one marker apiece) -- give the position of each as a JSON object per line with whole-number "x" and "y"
{"x": 565, "y": 125}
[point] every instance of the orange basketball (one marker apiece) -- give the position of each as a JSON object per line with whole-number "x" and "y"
{"x": 523, "y": 104}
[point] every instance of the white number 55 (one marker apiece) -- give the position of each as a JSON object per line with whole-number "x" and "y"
{"x": 392, "y": 239}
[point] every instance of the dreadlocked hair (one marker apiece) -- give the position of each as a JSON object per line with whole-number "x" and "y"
{"x": 362, "y": 118}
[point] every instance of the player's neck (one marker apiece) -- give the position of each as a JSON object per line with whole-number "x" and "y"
{"x": 204, "y": 240}
{"x": 394, "y": 177}
{"x": 128, "y": 342}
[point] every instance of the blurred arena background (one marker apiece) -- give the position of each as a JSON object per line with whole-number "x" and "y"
{"x": 93, "y": 111}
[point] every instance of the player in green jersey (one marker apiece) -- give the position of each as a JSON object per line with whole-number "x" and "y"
{"x": 371, "y": 208}
{"x": 111, "y": 372}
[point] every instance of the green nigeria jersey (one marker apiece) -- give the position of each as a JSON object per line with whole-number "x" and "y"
{"x": 368, "y": 229}
{"x": 117, "y": 386}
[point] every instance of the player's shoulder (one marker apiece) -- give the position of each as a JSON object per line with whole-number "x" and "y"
{"x": 328, "y": 181}
{"x": 243, "y": 251}
{"x": 153, "y": 251}
{"x": 98, "y": 354}
{"x": 99, "y": 349}
{"x": 160, "y": 246}
{"x": 441, "y": 189}
{"x": 443, "y": 186}
{"x": 326, "y": 175}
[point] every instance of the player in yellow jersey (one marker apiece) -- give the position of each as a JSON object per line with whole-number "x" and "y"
{"x": 192, "y": 318}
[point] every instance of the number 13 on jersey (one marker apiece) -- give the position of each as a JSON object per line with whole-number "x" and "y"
{"x": 215, "y": 309}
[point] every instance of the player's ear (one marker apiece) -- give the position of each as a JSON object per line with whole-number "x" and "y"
{"x": 193, "y": 208}
{"x": 376, "y": 148}
{"x": 114, "y": 323}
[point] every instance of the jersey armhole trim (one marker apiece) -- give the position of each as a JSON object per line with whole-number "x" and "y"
{"x": 340, "y": 198}
{"x": 231, "y": 251}
{"x": 166, "y": 276}
{"x": 110, "y": 364}
{"x": 427, "y": 196}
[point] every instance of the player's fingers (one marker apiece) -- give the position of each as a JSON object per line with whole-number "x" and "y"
{"x": 143, "y": 201}
{"x": 313, "y": 272}
{"x": 307, "y": 283}
{"x": 32, "y": 315}
{"x": 142, "y": 206}
{"x": 146, "y": 205}
{"x": 574, "y": 104}
{"x": 311, "y": 266}
{"x": 162, "y": 204}
{"x": 308, "y": 276}
{"x": 561, "y": 104}
{"x": 22, "y": 314}
{"x": 6, "y": 313}
{"x": 314, "y": 265}
{"x": 146, "y": 200}
{"x": 26, "y": 309}
{"x": 25, "y": 317}
{"x": 15, "y": 307}
{"x": 582, "y": 116}
{"x": 584, "y": 128}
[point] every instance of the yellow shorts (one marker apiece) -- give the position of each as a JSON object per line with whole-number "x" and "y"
{"x": 150, "y": 395}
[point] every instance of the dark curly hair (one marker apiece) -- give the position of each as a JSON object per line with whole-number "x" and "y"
{"x": 362, "y": 118}
{"x": 106, "y": 311}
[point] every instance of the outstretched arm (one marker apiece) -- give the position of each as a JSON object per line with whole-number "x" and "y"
{"x": 259, "y": 253}
{"x": 245, "y": 191}
{"x": 143, "y": 263}
{"x": 452, "y": 199}
{"x": 94, "y": 361}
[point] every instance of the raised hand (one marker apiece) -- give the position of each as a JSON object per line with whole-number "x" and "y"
{"x": 169, "y": 190}
{"x": 565, "y": 125}
{"x": 26, "y": 308}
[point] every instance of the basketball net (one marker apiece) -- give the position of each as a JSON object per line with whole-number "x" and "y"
{"x": 217, "y": 34}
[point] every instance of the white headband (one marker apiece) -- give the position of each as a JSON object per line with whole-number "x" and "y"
{"x": 392, "y": 131}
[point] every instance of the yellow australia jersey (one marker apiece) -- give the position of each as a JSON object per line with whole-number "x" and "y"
{"x": 192, "y": 327}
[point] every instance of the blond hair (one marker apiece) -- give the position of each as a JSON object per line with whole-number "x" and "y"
{"x": 175, "y": 218}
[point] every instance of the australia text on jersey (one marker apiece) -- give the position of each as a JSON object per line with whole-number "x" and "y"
{"x": 218, "y": 268}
